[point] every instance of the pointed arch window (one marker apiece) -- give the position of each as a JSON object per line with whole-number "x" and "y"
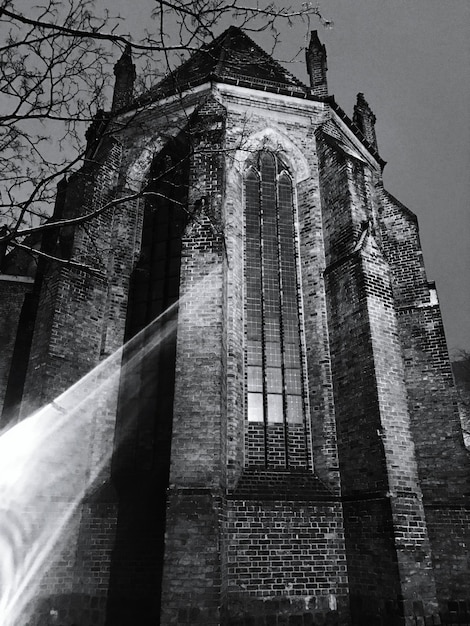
{"x": 275, "y": 379}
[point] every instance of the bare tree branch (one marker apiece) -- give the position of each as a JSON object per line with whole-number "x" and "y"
{"x": 82, "y": 267}
{"x": 56, "y": 72}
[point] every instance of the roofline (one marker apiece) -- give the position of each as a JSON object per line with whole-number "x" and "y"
{"x": 402, "y": 206}
{"x": 329, "y": 102}
{"x": 211, "y": 79}
{"x": 297, "y": 90}
{"x": 355, "y": 129}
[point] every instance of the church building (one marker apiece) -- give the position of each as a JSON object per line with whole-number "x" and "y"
{"x": 283, "y": 439}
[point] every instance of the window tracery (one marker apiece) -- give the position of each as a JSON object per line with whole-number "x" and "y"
{"x": 275, "y": 381}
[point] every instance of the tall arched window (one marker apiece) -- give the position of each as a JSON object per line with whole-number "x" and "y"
{"x": 275, "y": 380}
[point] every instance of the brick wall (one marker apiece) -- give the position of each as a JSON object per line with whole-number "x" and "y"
{"x": 234, "y": 223}
{"x": 442, "y": 458}
{"x": 191, "y": 575}
{"x": 12, "y": 296}
{"x": 321, "y": 401}
{"x": 449, "y": 532}
{"x": 285, "y": 561}
{"x": 443, "y": 462}
{"x": 66, "y": 345}
{"x": 384, "y": 517}
{"x": 73, "y": 589}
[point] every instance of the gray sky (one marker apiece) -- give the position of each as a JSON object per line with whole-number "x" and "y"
{"x": 411, "y": 59}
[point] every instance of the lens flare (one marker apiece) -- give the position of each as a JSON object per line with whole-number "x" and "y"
{"x": 51, "y": 460}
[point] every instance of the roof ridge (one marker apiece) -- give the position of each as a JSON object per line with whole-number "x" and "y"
{"x": 218, "y": 58}
{"x": 203, "y": 48}
{"x": 267, "y": 55}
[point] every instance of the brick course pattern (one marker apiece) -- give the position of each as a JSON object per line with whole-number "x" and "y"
{"x": 285, "y": 549}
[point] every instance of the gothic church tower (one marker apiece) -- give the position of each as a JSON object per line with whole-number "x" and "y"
{"x": 291, "y": 453}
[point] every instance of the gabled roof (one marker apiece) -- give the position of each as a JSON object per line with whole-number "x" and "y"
{"x": 231, "y": 58}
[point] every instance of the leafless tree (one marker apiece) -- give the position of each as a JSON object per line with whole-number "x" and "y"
{"x": 56, "y": 73}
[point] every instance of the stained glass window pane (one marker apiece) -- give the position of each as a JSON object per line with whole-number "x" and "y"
{"x": 267, "y": 161}
{"x": 291, "y": 332}
{"x": 254, "y": 353}
{"x": 293, "y": 380}
{"x": 255, "y": 378}
{"x": 273, "y": 354}
{"x": 275, "y": 412}
{"x": 271, "y": 329}
{"x": 294, "y": 409}
{"x": 254, "y": 328}
{"x": 255, "y": 407}
{"x": 274, "y": 379}
{"x": 292, "y": 355}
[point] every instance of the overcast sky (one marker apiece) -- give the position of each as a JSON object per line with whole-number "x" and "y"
{"x": 411, "y": 58}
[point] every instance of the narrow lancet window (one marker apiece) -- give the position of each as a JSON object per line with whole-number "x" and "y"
{"x": 254, "y": 302}
{"x": 275, "y": 381}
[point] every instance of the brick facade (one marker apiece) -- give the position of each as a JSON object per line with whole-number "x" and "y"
{"x": 13, "y": 294}
{"x": 200, "y": 514}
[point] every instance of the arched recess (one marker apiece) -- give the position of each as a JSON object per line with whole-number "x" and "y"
{"x": 275, "y": 141}
{"x": 152, "y": 306}
{"x": 141, "y": 459}
{"x": 276, "y": 426}
{"x": 138, "y": 173}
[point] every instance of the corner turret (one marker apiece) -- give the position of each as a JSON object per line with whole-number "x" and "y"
{"x": 124, "y": 70}
{"x": 316, "y": 66}
{"x": 365, "y": 120}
